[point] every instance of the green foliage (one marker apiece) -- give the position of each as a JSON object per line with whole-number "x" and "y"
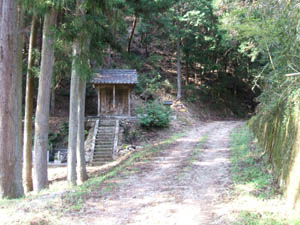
{"x": 167, "y": 86}
{"x": 251, "y": 218}
{"x": 133, "y": 61}
{"x": 59, "y": 137}
{"x": 252, "y": 179}
{"x": 207, "y": 51}
{"x": 277, "y": 131}
{"x": 148, "y": 8}
{"x": 155, "y": 114}
{"x": 130, "y": 135}
{"x": 272, "y": 27}
{"x": 148, "y": 82}
{"x": 267, "y": 33}
{"x": 248, "y": 167}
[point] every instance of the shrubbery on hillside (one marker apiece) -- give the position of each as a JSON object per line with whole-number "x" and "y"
{"x": 154, "y": 114}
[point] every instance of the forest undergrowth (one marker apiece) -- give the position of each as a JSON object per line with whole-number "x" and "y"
{"x": 258, "y": 200}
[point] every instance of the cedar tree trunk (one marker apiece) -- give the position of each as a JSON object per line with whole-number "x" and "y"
{"x": 19, "y": 88}
{"x": 73, "y": 117}
{"x": 40, "y": 180}
{"x": 81, "y": 165}
{"x": 27, "y": 148}
{"x": 132, "y": 32}
{"x": 10, "y": 176}
{"x": 178, "y": 70}
{"x": 52, "y": 99}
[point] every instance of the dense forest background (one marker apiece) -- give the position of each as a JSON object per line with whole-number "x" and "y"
{"x": 215, "y": 65}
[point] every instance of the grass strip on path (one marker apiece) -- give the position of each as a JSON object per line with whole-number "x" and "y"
{"x": 258, "y": 200}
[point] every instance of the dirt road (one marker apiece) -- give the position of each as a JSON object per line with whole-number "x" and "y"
{"x": 185, "y": 184}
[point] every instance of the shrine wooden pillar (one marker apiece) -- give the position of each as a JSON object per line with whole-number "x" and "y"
{"x": 99, "y": 101}
{"x": 129, "y": 100}
{"x": 114, "y": 97}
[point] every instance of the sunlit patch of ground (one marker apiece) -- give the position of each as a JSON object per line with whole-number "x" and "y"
{"x": 187, "y": 183}
{"x": 275, "y": 209}
{"x": 256, "y": 198}
{"x": 176, "y": 187}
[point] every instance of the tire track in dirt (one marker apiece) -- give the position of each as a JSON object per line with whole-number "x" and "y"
{"x": 171, "y": 188}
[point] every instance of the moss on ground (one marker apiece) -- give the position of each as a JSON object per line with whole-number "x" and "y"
{"x": 258, "y": 198}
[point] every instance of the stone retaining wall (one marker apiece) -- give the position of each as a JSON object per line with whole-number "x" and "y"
{"x": 278, "y": 133}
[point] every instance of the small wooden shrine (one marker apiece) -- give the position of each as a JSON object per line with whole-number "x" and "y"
{"x": 114, "y": 87}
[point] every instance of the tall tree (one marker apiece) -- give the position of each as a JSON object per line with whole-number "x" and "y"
{"x": 19, "y": 88}
{"x": 28, "y": 122}
{"x": 10, "y": 177}
{"x": 132, "y": 32}
{"x": 40, "y": 180}
{"x": 190, "y": 26}
{"x": 178, "y": 44}
{"x": 80, "y": 150}
{"x": 52, "y": 98}
{"x": 144, "y": 8}
{"x": 81, "y": 164}
{"x": 76, "y": 153}
{"x": 178, "y": 31}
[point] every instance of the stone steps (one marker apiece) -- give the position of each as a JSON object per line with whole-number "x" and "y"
{"x": 107, "y": 123}
{"x": 104, "y": 155}
{"x": 104, "y": 142}
{"x": 102, "y": 150}
{"x": 103, "y": 158}
{"x": 104, "y": 136}
{"x": 100, "y": 163}
{"x": 105, "y": 127}
{"x": 103, "y": 145}
{"x": 106, "y": 132}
